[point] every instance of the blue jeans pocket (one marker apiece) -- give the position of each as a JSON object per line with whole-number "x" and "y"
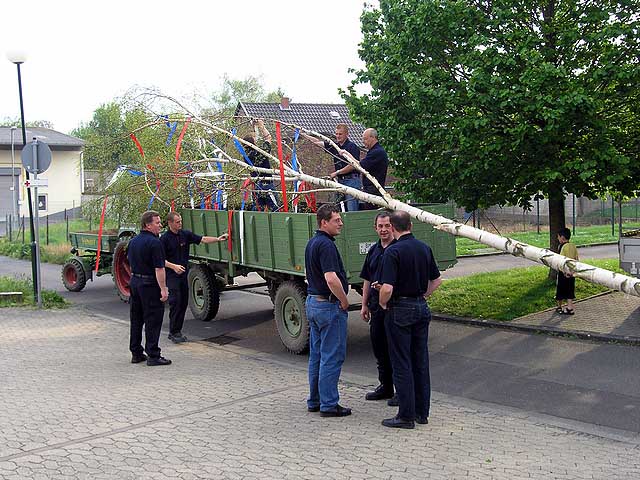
{"x": 404, "y": 315}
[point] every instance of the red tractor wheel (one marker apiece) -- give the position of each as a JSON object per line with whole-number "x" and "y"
{"x": 74, "y": 277}
{"x": 121, "y": 271}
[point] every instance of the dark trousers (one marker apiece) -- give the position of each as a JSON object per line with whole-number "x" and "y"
{"x": 145, "y": 309}
{"x": 407, "y": 326}
{"x": 373, "y": 191}
{"x": 178, "y": 302}
{"x": 380, "y": 345}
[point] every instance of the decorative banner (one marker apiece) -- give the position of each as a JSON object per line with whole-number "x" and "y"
{"x": 294, "y": 158}
{"x": 283, "y": 184}
{"x": 245, "y": 187}
{"x": 104, "y": 209}
{"x": 135, "y": 140}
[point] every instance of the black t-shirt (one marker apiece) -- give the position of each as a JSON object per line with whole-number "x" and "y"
{"x": 176, "y": 248}
{"x": 408, "y": 265}
{"x": 145, "y": 253}
{"x": 371, "y": 266}
{"x": 338, "y": 160}
{"x": 376, "y": 163}
{"x": 258, "y": 159}
{"x": 321, "y": 256}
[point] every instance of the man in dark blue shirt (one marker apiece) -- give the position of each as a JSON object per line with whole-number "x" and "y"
{"x": 326, "y": 309}
{"x": 376, "y": 162}
{"x": 408, "y": 273}
{"x": 371, "y": 311}
{"x": 148, "y": 290}
{"x": 344, "y": 173}
{"x": 176, "y": 243}
{"x": 263, "y": 199}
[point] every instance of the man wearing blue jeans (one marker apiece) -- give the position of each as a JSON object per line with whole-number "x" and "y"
{"x": 326, "y": 307}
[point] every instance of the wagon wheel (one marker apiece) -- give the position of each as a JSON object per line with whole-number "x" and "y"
{"x": 74, "y": 277}
{"x": 204, "y": 294}
{"x": 291, "y": 316}
{"x": 121, "y": 271}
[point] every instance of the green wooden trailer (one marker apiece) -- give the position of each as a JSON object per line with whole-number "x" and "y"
{"x": 272, "y": 245}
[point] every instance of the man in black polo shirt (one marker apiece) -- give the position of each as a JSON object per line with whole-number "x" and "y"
{"x": 376, "y": 162}
{"x": 263, "y": 200}
{"x": 326, "y": 308}
{"x": 176, "y": 243}
{"x": 408, "y": 273}
{"x": 371, "y": 311}
{"x": 148, "y": 290}
{"x": 344, "y": 173}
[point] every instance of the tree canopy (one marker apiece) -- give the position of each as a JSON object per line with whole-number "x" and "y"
{"x": 492, "y": 101}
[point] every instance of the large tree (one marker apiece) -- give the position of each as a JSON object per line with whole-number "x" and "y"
{"x": 493, "y": 101}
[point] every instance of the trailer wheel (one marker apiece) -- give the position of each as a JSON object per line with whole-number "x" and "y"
{"x": 291, "y": 316}
{"x": 121, "y": 271}
{"x": 204, "y": 295}
{"x": 74, "y": 277}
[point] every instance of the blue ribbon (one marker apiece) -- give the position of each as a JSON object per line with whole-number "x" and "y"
{"x": 294, "y": 157}
{"x": 240, "y": 148}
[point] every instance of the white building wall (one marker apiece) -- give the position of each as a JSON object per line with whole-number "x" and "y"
{"x": 64, "y": 190}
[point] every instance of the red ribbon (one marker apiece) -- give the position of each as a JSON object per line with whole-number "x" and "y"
{"x": 283, "y": 185}
{"x": 178, "y": 148}
{"x": 104, "y": 209}
{"x": 135, "y": 140}
{"x": 229, "y": 224}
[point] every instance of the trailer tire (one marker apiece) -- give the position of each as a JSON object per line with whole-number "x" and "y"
{"x": 291, "y": 316}
{"x": 74, "y": 278}
{"x": 121, "y": 271}
{"x": 204, "y": 293}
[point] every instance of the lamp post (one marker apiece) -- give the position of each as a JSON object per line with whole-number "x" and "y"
{"x": 18, "y": 58}
{"x": 13, "y": 177}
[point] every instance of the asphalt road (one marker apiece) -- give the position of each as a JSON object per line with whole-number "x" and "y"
{"x": 588, "y": 382}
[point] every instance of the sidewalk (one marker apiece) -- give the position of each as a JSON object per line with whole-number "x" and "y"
{"x": 609, "y": 317}
{"x": 74, "y": 407}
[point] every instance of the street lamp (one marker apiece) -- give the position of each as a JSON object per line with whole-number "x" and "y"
{"x": 18, "y": 58}
{"x": 13, "y": 177}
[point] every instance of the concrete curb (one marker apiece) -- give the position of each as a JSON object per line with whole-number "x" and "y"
{"x": 547, "y": 330}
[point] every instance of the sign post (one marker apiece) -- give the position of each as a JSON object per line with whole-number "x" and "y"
{"x": 36, "y": 158}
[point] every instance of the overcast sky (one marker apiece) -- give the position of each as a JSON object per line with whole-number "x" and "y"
{"x": 81, "y": 54}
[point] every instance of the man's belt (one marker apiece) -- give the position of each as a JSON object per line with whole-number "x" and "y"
{"x": 418, "y": 297}
{"x": 348, "y": 175}
{"x": 325, "y": 298}
{"x": 148, "y": 277}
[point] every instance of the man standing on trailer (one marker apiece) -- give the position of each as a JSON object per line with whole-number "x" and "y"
{"x": 327, "y": 310}
{"x": 148, "y": 290}
{"x": 176, "y": 243}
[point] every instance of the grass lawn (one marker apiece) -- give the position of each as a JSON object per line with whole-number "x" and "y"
{"x": 50, "y": 299}
{"x": 58, "y": 249}
{"x": 586, "y": 235}
{"x": 507, "y": 294}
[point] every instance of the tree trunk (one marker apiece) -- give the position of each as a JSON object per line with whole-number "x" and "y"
{"x": 556, "y": 220}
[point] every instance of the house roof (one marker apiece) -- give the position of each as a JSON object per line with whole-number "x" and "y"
{"x": 319, "y": 117}
{"x": 53, "y": 138}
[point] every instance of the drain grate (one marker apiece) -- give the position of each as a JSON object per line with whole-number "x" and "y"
{"x": 221, "y": 339}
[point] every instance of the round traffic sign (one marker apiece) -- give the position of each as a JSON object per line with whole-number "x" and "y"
{"x": 43, "y": 156}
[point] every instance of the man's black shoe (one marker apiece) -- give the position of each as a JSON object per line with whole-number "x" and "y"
{"x": 177, "y": 338}
{"x": 396, "y": 422}
{"x": 313, "y": 409}
{"x": 152, "y": 362}
{"x": 393, "y": 401}
{"x": 340, "y": 411}
{"x": 138, "y": 358}
{"x": 422, "y": 420}
{"x": 380, "y": 393}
